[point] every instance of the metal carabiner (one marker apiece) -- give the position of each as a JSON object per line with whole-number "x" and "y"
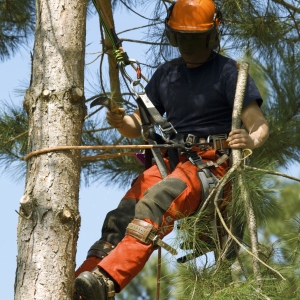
{"x": 133, "y": 83}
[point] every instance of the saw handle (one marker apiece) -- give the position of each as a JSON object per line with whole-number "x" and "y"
{"x": 115, "y": 118}
{"x": 113, "y": 106}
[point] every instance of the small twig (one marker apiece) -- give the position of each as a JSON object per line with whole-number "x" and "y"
{"x": 273, "y": 173}
{"x": 194, "y": 289}
{"x": 137, "y": 12}
{"x": 16, "y": 137}
{"x": 242, "y": 246}
{"x": 23, "y": 216}
{"x": 98, "y": 129}
{"x": 220, "y": 184}
{"x": 94, "y": 112}
{"x": 259, "y": 292}
{"x": 94, "y": 59}
{"x": 287, "y": 5}
{"x": 139, "y": 27}
{"x": 143, "y": 42}
{"x": 218, "y": 187}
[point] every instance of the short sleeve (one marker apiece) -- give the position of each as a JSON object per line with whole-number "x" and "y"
{"x": 251, "y": 93}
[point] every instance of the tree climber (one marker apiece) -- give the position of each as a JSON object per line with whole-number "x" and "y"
{"x": 196, "y": 91}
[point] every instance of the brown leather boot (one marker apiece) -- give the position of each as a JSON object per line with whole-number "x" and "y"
{"x": 95, "y": 285}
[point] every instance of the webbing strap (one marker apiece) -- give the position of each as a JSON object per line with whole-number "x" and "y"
{"x": 207, "y": 178}
{"x": 165, "y": 127}
{"x": 148, "y": 110}
{"x": 195, "y": 159}
{"x": 161, "y": 165}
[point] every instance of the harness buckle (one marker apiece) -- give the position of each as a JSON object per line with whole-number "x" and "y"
{"x": 194, "y": 158}
{"x": 165, "y": 131}
{"x": 217, "y": 137}
{"x": 191, "y": 139}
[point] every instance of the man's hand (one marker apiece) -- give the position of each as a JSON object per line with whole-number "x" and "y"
{"x": 115, "y": 119}
{"x": 256, "y": 125}
{"x": 240, "y": 139}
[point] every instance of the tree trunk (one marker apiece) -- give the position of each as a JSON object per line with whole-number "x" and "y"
{"x": 49, "y": 219}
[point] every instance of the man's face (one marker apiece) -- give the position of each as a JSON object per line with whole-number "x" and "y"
{"x": 193, "y": 48}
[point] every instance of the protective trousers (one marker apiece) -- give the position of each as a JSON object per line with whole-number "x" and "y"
{"x": 157, "y": 201}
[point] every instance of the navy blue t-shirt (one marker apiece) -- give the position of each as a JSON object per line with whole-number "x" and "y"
{"x": 199, "y": 100}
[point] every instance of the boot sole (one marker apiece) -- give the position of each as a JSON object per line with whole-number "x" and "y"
{"x": 89, "y": 288}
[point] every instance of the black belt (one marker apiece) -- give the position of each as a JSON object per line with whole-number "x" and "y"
{"x": 216, "y": 141}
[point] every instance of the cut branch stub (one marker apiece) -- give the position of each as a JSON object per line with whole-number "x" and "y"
{"x": 26, "y": 204}
{"x": 77, "y": 94}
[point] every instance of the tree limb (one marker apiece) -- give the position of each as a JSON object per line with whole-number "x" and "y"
{"x": 287, "y": 5}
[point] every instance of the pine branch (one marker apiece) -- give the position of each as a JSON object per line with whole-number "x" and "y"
{"x": 241, "y": 245}
{"x": 16, "y": 137}
{"x": 128, "y": 7}
{"x": 287, "y": 5}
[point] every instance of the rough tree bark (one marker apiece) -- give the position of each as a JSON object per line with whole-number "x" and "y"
{"x": 49, "y": 219}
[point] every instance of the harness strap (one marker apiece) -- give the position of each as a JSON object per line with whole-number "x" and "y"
{"x": 207, "y": 178}
{"x": 146, "y": 233}
{"x": 165, "y": 127}
{"x": 161, "y": 165}
{"x": 148, "y": 110}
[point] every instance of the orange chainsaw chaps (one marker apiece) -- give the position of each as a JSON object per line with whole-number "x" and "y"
{"x": 126, "y": 260}
{"x": 88, "y": 265}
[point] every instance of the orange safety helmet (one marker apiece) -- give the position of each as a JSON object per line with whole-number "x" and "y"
{"x": 193, "y": 17}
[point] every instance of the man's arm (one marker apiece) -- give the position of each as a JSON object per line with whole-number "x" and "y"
{"x": 256, "y": 125}
{"x": 127, "y": 125}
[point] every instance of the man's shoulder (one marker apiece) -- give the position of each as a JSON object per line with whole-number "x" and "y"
{"x": 166, "y": 69}
{"x": 225, "y": 64}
